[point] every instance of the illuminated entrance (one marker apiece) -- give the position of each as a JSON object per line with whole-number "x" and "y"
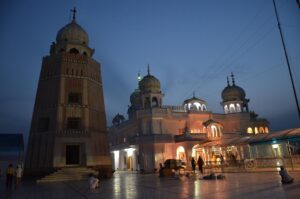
{"x": 198, "y": 151}
{"x": 180, "y": 154}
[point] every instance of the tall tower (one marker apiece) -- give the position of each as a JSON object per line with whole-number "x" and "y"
{"x": 68, "y": 126}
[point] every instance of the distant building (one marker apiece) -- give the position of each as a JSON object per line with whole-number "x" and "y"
{"x": 11, "y": 150}
{"x": 155, "y": 132}
{"x": 68, "y": 127}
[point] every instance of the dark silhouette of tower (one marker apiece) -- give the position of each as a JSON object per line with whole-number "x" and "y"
{"x": 68, "y": 127}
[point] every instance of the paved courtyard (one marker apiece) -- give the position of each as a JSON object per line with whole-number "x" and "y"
{"x": 128, "y": 185}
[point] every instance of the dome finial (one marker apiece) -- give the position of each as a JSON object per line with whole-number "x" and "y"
{"x": 228, "y": 84}
{"x": 232, "y": 77}
{"x": 148, "y": 69}
{"x": 193, "y": 93}
{"x": 74, "y": 13}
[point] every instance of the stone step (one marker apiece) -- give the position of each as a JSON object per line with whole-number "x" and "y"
{"x": 68, "y": 174}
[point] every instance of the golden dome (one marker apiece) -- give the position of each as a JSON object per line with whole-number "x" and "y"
{"x": 72, "y": 33}
{"x": 149, "y": 83}
{"x": 231, "y": 93}
{"x": 135, "y": 97}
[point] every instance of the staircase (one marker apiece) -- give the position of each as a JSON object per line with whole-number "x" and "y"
{"x": 68, "y": 174}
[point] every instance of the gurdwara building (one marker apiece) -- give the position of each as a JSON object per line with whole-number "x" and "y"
{"x": 155, "y": 132}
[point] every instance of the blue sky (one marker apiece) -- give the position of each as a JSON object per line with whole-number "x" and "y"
{"x": 190, "y": 46}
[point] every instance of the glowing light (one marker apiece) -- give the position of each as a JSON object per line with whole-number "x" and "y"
{"x": 278, "y": 165}
{"x": 249, "y": 130}
{"x": 275, "y": 146}
{"x": 180, "y": 153}
{"x": 116, "y": 159}
{"x": 129, "y": 151}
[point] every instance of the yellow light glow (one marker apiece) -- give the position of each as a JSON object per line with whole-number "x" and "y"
{"x": 129, "y": 151}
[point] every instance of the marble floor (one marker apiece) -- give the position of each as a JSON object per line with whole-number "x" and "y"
{"x": 130, "y": 185}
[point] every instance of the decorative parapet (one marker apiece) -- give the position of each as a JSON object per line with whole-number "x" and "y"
{"x": 73, "y": 133}
{"x": 152, "y": 138}
{"x": 190, "y": 137}
{"x": 153, "y": 112}
{"x": 175, "y": 108}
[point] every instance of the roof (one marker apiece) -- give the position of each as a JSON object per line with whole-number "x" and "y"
{"x": 193, "y": 99}
{"x": 257, "y": 139}
{"x": 11, "y": 142}
{"x": 277, "y": 136}
{"x": 210, "y": 121}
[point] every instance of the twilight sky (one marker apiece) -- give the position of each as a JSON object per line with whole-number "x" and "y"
{"x": 191, "y": 45}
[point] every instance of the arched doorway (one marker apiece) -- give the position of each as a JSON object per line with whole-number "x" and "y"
{"x": 199, "y": 151}
{"x": 180, "y": 154}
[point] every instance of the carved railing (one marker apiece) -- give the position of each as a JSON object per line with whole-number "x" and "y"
{"x": 73, "y": 133}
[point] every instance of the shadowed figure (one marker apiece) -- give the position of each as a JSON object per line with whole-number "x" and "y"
{"x": 285, "y": 177}
{"x": 200, "y": 163}
{"x": 193, "y": 163}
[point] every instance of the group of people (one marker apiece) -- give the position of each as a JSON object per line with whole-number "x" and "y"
{"x": 285, "y": 177}
{"x": 13, "y": 174}
{"x": 200, "y": 164}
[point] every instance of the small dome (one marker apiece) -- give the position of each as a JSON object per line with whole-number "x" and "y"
{"x": 149, "y": 84}
{"x": 72, "y": 33}
{"x": 193, "y": 100}
{"x": 195, "y": 103}
{"x": 135, "y": 98}
{"x": 231, "y": 93}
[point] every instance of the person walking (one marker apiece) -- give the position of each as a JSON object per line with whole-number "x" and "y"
{"x": 19, "y": 173}
{"x": 9, "y": 176}
{"x": 193, "y": 163}
{"x": 200, "y": 163}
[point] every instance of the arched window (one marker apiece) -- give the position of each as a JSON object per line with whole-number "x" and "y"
{"x": 226, "y": 109}
{"x": 232, "y": 108}
{"x": 220, "y": 131}
{"x": 238, "y": 108}
{"x": 185, "y": 107}
{"x": 154, "y": 102}
{"x": 197, "y": 105}
{"x": 204, "y": 107}
{"x": 256, "y": 130}
{"x": 266, "y": 130}
{"x": 74, "y": 51}
{"x": 180, "y": 153}
{"x": 261, "y": 129}
{"x": 84, "y": 53}
{"x": 214, "y": 131}
{"x": 249, "y": 130}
